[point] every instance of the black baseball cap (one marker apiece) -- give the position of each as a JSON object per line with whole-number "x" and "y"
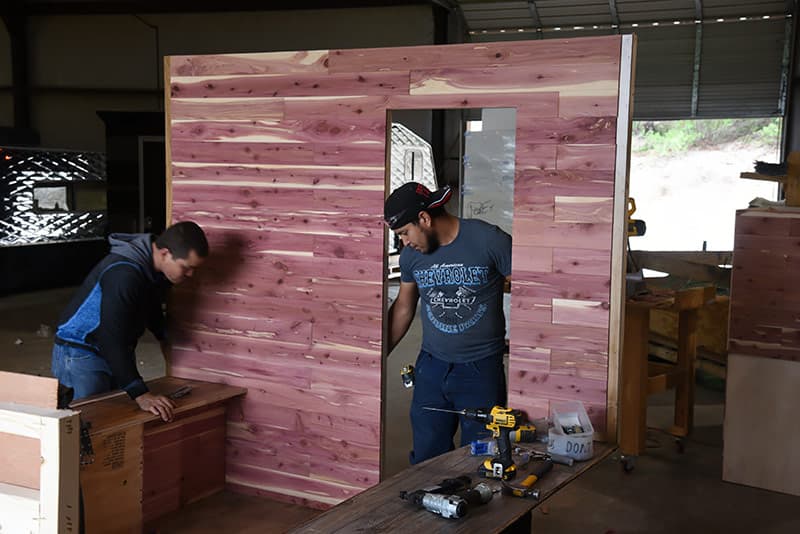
{"x": 405, "y": 203}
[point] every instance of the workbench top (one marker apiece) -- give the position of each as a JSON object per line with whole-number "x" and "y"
{"x": 380, "y": 509}
{"x": 117, "y": 410}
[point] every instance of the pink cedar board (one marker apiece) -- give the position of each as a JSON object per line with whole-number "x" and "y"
{"x": 281, "y": 158}
{"x": 765, "y": 299}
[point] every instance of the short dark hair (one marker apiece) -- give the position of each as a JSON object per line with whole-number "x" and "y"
{"x": 435, "y": 213}
{"x": 182, "y": 238}
{"x": 404, "y": 204}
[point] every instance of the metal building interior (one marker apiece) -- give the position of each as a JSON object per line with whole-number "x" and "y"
{"x": 82, "y": 106}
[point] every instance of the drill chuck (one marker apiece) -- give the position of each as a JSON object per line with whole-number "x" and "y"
{"x": 449, "y": 506}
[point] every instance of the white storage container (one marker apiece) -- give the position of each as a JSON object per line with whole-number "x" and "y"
{"x": 572, "y": 432}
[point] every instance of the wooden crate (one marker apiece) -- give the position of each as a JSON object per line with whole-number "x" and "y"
{"x": 39, "y": 494}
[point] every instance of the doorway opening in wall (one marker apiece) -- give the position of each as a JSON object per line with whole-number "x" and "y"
{"x": 685, "y": 179}
{"x": 473, "y": 152}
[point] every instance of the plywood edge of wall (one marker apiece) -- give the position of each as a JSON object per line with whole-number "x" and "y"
{"x": 385, "y": 299}
{"x": 618, "y": 233}
{"x": 761, "y": 398}
{"x": 168, "y": 144}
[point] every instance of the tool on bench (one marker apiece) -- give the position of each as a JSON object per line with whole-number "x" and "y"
{"x": 501, "y": 421}
{"x": 525, "y": 488}
{"x": 407, "y": 374}
{"x": 451, "y": 498}
{"x": 539, "y": 455}
{"x": 180, "y": 392}
{"x": 488, "y": 446}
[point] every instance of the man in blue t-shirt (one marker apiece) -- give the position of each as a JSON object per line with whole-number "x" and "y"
{"x": 458, "y": 267}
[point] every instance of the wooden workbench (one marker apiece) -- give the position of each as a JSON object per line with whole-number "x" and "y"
{"x": 380, "y": 509}
{"x": 144, "y": 467}
{"x": 641, "y": 378}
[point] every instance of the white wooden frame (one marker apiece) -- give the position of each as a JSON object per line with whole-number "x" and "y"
{"x": 54, "y": 507}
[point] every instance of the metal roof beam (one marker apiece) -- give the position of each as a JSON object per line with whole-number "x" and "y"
{"x": 537, "y": 22}
{"x": 612, "y": 7}
{"x": 698, "y": 54}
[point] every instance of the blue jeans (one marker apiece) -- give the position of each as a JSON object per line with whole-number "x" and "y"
{"x": 453, "y": 386}
{"x": 82, "y": 370}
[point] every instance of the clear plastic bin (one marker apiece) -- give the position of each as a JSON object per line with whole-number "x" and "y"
{"x": 572, "y": 432}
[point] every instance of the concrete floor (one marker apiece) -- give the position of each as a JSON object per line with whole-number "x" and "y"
{"x": 667, "y": 492}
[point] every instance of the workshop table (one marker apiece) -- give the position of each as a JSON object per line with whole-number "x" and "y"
{"x": 641, "y": 378}
{"x": 380, "y": 509}
{"x": 144, "y": 467}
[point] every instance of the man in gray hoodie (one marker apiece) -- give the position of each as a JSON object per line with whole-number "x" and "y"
{"x": 96, "y": 339}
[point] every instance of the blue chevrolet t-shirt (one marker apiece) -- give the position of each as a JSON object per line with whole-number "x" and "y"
{"x": 461, "y": 287}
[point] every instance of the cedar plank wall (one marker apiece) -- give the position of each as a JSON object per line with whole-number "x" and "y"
{"x": 280, "y": 157}
{"x": 765, "y": 296}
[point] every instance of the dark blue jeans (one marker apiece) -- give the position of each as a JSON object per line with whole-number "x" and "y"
{"x": 82, "y": 370}
{"x": 453, "y": 386}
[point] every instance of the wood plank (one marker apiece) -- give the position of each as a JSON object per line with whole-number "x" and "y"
{"x": 278, "y": 153}
{"x": 578, "y": 130}
{"x": 560, "y": 337}
{"x": 27, "y": 389}
{"x": 583, "y": 210}
{"x": 753, "y": 444}
{"x": 554, "y": 386}
{"x": 530, "y": 53}
{"x": 567, "y": 235}
{"x": 235, "y": 109}
{"x": 343, "y": 106}
{"x": 567, "y": 79}
{"x": 116, "y": 412}
{"x": 533, "y": 183}
{"x": 633, "y": 393}
{"x": 532, "y": 259}
{"x": 112, "y": 485}
{"x": 255, "y": 63}
{"x": 535, "y": 157}
{"x": 312, "y": 131}
{"x": 560, "y": 286}
{"x": 294, "y": 85}
{"x": 581, "y": 261}
{"x": 581, "y": 313}
{"x": 19, "y": 509}
{"x": 580, "y": 364}
{"x": 534, "y": 208}
{"x": 586, "y": 157}
{"x": 619, "y": 231}
{"x": 528, "y": 105}
{"x": 570, "y": 106}
{"x": 266, "y": 176}
{"x": 20, "y": 461}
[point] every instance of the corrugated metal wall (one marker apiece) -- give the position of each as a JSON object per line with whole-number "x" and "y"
{"x": 689, "y": 62}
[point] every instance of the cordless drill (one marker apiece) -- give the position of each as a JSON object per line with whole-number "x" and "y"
{"x": 501, "y": 421}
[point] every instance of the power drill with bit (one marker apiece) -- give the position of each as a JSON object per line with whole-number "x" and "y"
{"x": 501, "y": 421}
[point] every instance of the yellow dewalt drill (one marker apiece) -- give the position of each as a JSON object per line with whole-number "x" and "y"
{"x": 501, "y": 421}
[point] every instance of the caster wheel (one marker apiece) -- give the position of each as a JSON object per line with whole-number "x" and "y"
{"x": 628, "y": 463}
